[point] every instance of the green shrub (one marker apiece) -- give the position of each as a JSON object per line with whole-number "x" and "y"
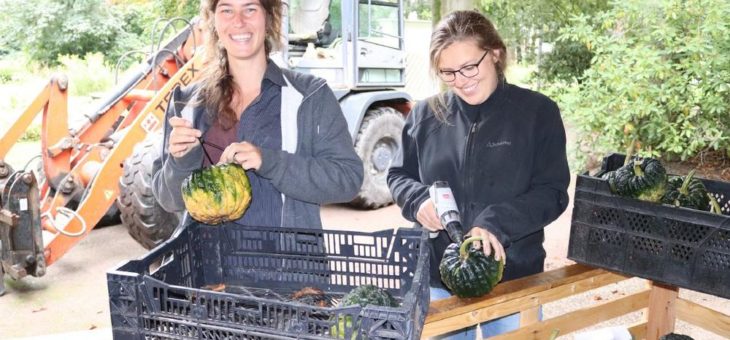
{"x": 47, "y": 29}
{"x": 567, "y": 61}
{"x": 6, "y": 75}
{"x": 660, "y": 74}
{"x": 33, "y": 134}
{"x": 178, "y": 8}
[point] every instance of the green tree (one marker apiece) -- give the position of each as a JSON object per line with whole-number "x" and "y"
{"x": 178, "y": 8}
{"x": 525, "y": 24}
{"x": 660, "y": 74}
{"x": 422, "y": 8}
{"x": 47, "y": 29}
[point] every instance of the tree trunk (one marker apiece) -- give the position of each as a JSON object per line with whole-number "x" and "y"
{"x": 443, "y": 7}
{"x": 436, "y": 10}
{"x": 448, "y": 6}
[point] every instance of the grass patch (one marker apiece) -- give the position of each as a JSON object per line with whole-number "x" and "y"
{"x": 15, "y": 67}
{"x": 87, "y": 75}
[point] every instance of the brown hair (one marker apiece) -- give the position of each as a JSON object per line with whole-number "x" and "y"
{"x": 217, "y": 87}
{"x": 460, "y": 26}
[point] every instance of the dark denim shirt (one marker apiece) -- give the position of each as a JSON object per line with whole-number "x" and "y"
{"x": 260, "y": 125}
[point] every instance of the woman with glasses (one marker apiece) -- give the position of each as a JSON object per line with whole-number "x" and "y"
{"x": 500, "y": 147}
{"x": 285, "y": 128}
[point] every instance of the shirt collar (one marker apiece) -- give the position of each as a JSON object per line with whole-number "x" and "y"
{"x": 472, "y": 111}
{"x": 274, "y": 74}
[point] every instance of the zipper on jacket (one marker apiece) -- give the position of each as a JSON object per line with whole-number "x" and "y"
{"x": 468, "y": 182}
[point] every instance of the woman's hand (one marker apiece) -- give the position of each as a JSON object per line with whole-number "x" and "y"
{"x": 489, "y": 243}
{"x": 183, "y": 137}
{"x": 427, "y": 216}
{"x": 244, "y": 153}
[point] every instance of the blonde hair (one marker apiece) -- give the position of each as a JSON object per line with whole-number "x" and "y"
{"x": 461, "y": 26}
{"x": 217, "y": 87}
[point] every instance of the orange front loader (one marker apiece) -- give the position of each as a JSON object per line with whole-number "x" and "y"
{"x": 82, "y": 165}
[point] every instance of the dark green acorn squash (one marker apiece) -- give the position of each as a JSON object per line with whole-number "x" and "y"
{"x": 217, "y": 194}
{"x": 368, "y": 295}
{"x": 688, "y": 192}
{"x": 611, "y": 178}
{"x": 467, "y": 272}
{"x": 362, "y": 296}
{"x": 644, "y": 179}
{"x": 675, "y": 336}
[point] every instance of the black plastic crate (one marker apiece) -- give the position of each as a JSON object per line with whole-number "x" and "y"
{"x": 162, "y": 295}
{"x": 677, "y": 246}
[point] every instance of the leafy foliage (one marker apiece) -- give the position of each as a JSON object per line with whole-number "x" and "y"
{"x": 525, "y": 23}
{"x": 567, "y": 61}
{"x": 660, "y": 75}
{"x": 178, "y": 8}
{"x": 422, "y": 8}
{"x": 48, "y": 29}
{"x": 87, "y": 75}
{"x": 32, "y": 134}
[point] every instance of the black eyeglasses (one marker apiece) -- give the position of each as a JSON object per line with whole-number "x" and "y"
{"x": 468, "y": 71}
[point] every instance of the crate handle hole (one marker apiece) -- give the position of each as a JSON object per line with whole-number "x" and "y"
{"x": 160, "y": 262}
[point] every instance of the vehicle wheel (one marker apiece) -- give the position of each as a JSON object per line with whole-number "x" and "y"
{"x": 377, "y": 143}
{"x": 144, "y": 218}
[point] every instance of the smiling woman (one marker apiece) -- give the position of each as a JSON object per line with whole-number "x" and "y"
{"x": 500, "y": 147}
{"x": 284, "y": 128}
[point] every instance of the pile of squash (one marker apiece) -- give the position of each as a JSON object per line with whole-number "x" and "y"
{"x": 646, "y": 179}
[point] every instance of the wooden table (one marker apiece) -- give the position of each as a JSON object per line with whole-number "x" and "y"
{"x": 660, "y": 302}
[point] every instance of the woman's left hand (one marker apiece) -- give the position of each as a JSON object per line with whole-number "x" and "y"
{"x": 490, "y": 243}
{"x": 244, "y": 153}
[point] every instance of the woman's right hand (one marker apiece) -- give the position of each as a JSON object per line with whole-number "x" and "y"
{"x": 427, "y": 216}
{"x": 183, "y": 137}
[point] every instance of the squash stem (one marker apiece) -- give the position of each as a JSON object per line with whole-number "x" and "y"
{"x": 637, "y": 168}
{"x": 715, "y": 206}
{"x": 465, "y": 245}
{"x": 684, "y": 190}
{"x": 630, "y": 151}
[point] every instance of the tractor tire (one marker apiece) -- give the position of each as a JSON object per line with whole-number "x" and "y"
{"x": 144, "y": 218}
{"x": 377, "y": 143}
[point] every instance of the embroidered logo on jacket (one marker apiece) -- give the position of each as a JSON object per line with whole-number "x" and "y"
{"x": 500, "y": 143}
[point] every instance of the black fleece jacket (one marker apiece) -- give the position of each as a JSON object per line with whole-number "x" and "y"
{"x": 506, "y": 164}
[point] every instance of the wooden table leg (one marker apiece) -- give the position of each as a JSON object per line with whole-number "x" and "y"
{"x": 530, "y": 316}
{"x": 662, "y": 302}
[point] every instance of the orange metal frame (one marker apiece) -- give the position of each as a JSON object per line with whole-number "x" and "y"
{"x": 86, "y": 163}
